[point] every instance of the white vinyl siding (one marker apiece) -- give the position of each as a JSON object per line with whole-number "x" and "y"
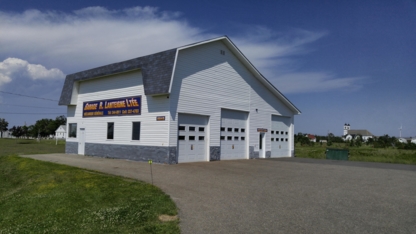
{"x": 206, "y": 81}
{"x": 153, "y": 133}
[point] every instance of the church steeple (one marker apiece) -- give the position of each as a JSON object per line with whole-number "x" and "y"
{"x": 346, "y": 128}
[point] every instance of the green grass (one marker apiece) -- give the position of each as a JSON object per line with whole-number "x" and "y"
{"x": 22, "y": 146}
{"x": 43, "y": 197}
{"x": 363, "y": 153}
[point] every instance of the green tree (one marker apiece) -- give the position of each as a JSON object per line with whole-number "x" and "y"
{"x": 16, "y": 131}
{"x": 25, "y": 131}
{"x": 3, "y": 126}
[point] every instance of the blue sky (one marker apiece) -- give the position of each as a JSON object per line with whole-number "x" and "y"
{"x": 337, "y": 61}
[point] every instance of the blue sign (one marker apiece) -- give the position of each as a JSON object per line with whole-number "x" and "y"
{"x": 113, "y": 107}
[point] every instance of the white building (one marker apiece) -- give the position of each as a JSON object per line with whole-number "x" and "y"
{"x": 200, "y": 102}
{"x": 60, "y": 133}
{"x": 355, "y": 134}
{"x": 402, "y": 140}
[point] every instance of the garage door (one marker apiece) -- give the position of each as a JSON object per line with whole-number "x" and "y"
{"x": 192, "y": 138}
{"x": 233, "y": 134}
{"x": 279, "y": 136}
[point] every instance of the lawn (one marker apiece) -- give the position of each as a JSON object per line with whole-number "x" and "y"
{"x": 43, "y": 197}
{"x": 363, "y": 153}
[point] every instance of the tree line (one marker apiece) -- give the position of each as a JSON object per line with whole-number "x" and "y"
{"x": 43, "y": 128}
{"x": 384, "y": 141}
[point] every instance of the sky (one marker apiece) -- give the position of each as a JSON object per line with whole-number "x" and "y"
{"x": 337, "y": 61}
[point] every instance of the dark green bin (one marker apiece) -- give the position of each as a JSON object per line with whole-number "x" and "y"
{"x": 337, "y": 154}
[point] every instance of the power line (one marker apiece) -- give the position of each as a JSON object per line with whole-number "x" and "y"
{"x": 41, "y": 107}
{"x": 11, "y": 113}
{"x": 29, "y": 96}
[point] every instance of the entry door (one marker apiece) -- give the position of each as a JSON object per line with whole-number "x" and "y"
{"x": 280, "y": 136}
{"x": 192, "y": 138}
{"x": 81, "y": 141}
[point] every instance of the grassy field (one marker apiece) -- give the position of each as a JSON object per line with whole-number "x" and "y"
{"x": 42, "y": 197}
{"x": 22, "y": 146}
{"x": 363, "y": 153}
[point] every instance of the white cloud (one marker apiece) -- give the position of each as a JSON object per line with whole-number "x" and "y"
{"x": 15, "y": 68}
{"x": 316, "y": 82}
{"x": 96, "y": 36}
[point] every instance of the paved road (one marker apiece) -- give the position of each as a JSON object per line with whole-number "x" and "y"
{"x": 277, "y": 195}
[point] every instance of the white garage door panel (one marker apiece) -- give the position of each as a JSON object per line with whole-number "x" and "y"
{"x": 192, "y": 138}
{"x": 279, "y": 136}
{"x": 233, "y": 134}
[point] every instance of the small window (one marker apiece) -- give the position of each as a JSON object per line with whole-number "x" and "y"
{"x": 201, "y": 138}
{"x": 230, "y": 129}
{"x": 191, "y": 138}
{"x": 286, "y": 133}
{"x": 201, "y": 129}
{"x": 242, "y": 138}
{"x": 281, "y": 132}
{"x": 181, "y": 138}
{"x": 222, "y": 129}
{"x": 286, "y": 139}
{"x": 110, "y": 131}
{"x": 236, "y": 138}
{"x": 243, "y": 130}
{"x": 192, "y": 129}
{"x": 181, "y": 128}
{"x": 272, "y": 132}
{"x": 229, "y": 138}
{"x": 136, "y": 131}
{"x": 277, "y": 132}
{"x": 277, "y": 139}
{"x": 281, "y": 139}
{"x": 272, "y": 139}
{"x": 222, "y": 138}
{"x": 235, "y": 129}
{"x": 72, "y": 133}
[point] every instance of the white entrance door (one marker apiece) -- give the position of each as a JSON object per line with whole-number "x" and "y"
{"x": 233, "y": 134}
{"x": 192, "y": 138}
{"x": 279, "y": 136}
{"x": 81, "y": 141}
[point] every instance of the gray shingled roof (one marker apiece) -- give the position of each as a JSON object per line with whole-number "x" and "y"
{"x": 360, "y": 132}
{"x": 156, "y": 70}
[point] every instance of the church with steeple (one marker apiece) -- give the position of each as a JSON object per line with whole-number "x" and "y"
{"x": 354, "y": 134}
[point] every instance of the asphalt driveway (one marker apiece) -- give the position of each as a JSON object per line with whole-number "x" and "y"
{"x": 289, "y": 195}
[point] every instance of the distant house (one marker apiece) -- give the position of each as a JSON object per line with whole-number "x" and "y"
{"x": 323, "y": 141}
{"x": 60, "y": 133}
{"x": 402, "y": 140}
{"x": 354, "y": 134}
{"x": 413, "y": 141}
{"x": 311, "y": 137}
{"x": 7, "y": 134}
